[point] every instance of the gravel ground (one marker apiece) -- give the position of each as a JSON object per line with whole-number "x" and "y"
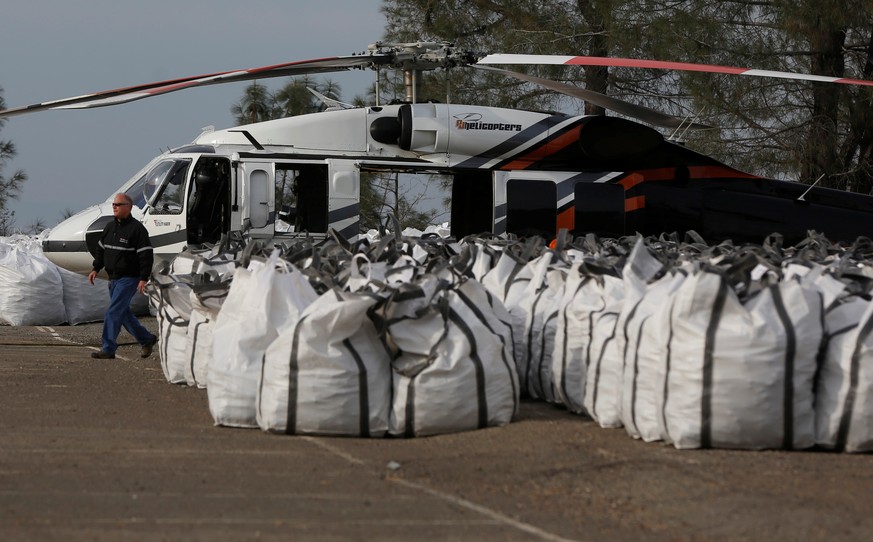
{"x": 107, "y": 450}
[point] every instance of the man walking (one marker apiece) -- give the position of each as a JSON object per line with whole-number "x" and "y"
{"x": 125, "y": 250}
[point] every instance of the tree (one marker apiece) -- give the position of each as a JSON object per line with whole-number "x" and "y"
{"x": 36, "y": 226}
{"x": 259, "y": 104}
{"x": 383, "y": 194}
{"x": 256, "y": 105}
{"x": 796, "y": 130}
{"x": 793, "y": 130}
{"x": 10, "y": 186}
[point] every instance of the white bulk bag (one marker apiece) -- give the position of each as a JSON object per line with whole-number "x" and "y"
{"x": 261, "y": 303}
{"x": 84, "y": 302}
{"x": 31, "y": 292}
{"x": 602, "y": 399}
{"x": 329, "y": 373}
{"x": 206, "y": 302}
{"x": 519, "y": 294}
{"x": 455, "y": 370}
{"x": 506, "y": 276}
{"x": 569, "y": 357}
{"x": 740, "y": 375}
{"x": 170, "y": 296}
{"x": 844, "y": 393}
{"x": 539, "y": 329}
{"x": 644, "y": 350}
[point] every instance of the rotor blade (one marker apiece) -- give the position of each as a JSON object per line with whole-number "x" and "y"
{"x": 138, "y": 92}
{"x": 655, "y": 118}
{"x": 661, "y": 65}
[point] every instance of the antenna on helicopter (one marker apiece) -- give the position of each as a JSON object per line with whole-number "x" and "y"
{"x": 686, "y": 124}
{"x": 330, "y": 103}
{"x": 801, "y": 197}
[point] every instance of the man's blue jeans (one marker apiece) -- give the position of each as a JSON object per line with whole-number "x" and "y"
{"x": 121, "y": 292}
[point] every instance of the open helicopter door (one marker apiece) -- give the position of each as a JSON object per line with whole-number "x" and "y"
{"x": 164, "y": 189}
{"x": 344, "y": 207}
{"x": 208, "y": 208}
{"x": 259, "y": 199}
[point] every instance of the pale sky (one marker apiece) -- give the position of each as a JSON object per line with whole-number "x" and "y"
{"x": 52, "y": 49}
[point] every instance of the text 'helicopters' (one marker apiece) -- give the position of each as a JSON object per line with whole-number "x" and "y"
{"x": 512, "y": 171}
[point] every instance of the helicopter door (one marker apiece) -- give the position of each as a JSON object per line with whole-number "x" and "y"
{"x": 258, "y": 202}
{"x": 208, "y": 208}
{"x": 165, "y": 189}
{"x": 473, "y": 203}
{"x": 343, "y": 205}
{"x": 532, "y": 203}
{"x": 599, "y": 209}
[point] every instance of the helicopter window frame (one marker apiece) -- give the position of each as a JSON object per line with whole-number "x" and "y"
{"x": 137, "y": 192}
{"x": 164, "y": 175}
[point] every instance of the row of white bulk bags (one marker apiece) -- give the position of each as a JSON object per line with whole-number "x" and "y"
{"x": 295, "y": 362}
{"x": 217, "y": 260}
{"x": 31, "y": 287}
{"x": 454, "y": 371}
{"x": 639, "y": 355}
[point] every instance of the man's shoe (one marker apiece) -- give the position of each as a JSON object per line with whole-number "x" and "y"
{"x": 147, "y": 347}
{"x": 102, "y": 355}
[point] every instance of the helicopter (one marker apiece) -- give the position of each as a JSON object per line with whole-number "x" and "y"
{"x": 512, "y": 171}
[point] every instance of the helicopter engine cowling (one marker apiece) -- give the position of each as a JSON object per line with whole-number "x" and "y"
{"x": 459, "y": 131}
{"x": 418, "y": 128}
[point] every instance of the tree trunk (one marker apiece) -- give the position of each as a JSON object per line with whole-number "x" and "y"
{"x": 821, "y": 149}
{"x": 596, "y": 77}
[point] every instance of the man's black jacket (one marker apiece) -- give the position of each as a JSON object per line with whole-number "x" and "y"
{"x": 125, "y": 250}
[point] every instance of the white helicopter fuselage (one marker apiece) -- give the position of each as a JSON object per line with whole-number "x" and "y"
{"x": 519, "y": 172}
{"x": 330, "y": 148}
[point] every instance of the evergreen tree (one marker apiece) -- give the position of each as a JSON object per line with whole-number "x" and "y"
{"x": 10, "y": 186}
{"x": 785, "y": 129}
{"x": 256, "y": 105}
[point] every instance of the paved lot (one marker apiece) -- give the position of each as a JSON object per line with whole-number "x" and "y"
{"x": 107, "y": 450}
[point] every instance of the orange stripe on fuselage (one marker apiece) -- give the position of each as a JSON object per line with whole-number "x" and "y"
{"x": 567, "y": 219}
{"x": 635, "y": 203}
{"x": 694, "y": 172}
{"x": 631, "y": 181}
{"x": 540, "y": 153}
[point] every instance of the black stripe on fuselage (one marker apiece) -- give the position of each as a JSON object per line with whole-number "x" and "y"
{"x": 343, "y": 213}
{"x": 519, "y": 139}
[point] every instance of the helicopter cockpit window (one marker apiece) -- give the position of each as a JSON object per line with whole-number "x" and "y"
{"x": 164, "y": 187}
{"x": 137, "y": 192}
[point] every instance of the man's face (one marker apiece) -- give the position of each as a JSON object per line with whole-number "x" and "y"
{"x": 120, "y": 208}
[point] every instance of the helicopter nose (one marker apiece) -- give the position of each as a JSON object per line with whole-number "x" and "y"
{"x": 66, "y": 244}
